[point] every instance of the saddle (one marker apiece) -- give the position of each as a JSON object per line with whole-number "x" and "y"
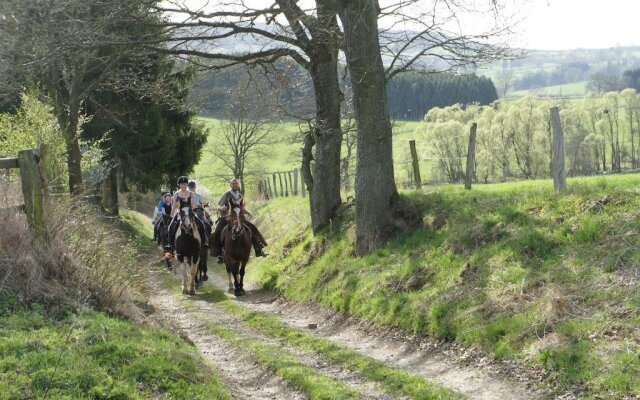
{"x": 226, "y": 227}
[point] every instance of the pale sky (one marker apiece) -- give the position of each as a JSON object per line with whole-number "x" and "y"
{"x": 569, "y": 24}
{"x": 546, "y": 24}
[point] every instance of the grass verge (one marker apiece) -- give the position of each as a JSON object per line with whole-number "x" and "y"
{"x": 548, "y": 280}
{"x": 66, "y": 354}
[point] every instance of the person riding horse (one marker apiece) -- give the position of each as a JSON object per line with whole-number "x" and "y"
{"x": 162, "y": 210}
{"x": 207, "y": 217}
{"x": 184, "y": 198}
{"x": 234, "y": 195}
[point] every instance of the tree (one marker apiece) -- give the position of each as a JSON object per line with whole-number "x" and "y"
{"x": 68, "y": 56}
{"x": 505, "y": 81}
{"x": 245, "y": 133}
{"x": 311, "y": 38}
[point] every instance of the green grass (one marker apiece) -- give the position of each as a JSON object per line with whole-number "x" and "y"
{"x": 499, "y": 267}
{"x": 139, "y": 227}
{"x": 86, "y": 355}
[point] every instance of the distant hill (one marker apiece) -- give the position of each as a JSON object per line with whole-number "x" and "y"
{"x": 561, "y": 72}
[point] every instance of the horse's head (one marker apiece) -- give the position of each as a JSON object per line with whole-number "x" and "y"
{"x": 235, "y": 216}
{"x": 186, "y": 221}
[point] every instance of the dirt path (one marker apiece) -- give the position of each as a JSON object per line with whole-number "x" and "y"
{"x": 248, "y": 379}
{"x": 393, "y": 348}
{"x": 244, "y": 376}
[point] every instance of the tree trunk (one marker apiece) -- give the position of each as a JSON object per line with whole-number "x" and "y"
{"x": 69, "y": 122}
{"x": 324, "y": 192}
{"x": 113, "y": 189}
{"x": 375, "y": 188}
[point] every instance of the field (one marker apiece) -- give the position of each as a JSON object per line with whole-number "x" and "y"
{"x": 283, "y": 155}
{"x": 569, "y": 89}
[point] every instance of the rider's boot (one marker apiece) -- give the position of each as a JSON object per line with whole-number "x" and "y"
{"x": 172, "y": 237}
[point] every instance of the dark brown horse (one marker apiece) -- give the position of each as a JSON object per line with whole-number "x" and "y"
{"x": 237, "y": 247}
{"x": 163, "y": 231}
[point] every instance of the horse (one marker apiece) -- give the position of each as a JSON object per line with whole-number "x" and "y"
{"x": 237, "y": 248}
{"x": 201, "y": 275}
{"x": 163, "y": 229}
{"x": 187, "y": 247}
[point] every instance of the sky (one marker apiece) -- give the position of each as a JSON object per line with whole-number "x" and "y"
{"x": 570, "y": 24}
{"x": 547, "y": 24}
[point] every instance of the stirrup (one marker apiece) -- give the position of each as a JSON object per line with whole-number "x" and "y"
{"x": 261, "y": 253}
{"x": 220, "y": 260}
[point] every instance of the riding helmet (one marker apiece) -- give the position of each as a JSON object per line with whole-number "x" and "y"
{"x": 192, "y": 184}
{"x": 183, "y": 179}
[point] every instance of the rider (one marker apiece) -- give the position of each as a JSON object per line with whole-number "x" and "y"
{"x": 207, "y": 217}
{"x": 163, "y": 208}
{"x": 256, "y": 237}
{"x": 184, "y": 198}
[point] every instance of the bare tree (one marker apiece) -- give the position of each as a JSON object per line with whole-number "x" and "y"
{"x": 247, "y": 131}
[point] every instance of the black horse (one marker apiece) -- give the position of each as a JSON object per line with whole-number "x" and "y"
{"x": 187, "y": 247}
{"x": 237, "y": 247}
{"x": 201, "y": 275}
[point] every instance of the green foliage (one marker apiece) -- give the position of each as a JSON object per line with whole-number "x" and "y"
{"x": 514, "y": 269}
{"x": 33, "y": 124}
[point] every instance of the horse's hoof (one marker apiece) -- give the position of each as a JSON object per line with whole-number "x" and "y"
{"x": 241, "y": 292}
{"x": 237, "y": 293}
{"x": 191, "y": 292}
{"x": 205, "y": 278}
{"x": 184, "y": 291}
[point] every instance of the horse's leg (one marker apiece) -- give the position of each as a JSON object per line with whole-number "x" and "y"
{"x": 242, "y": 277}
{"x": 182, "y": 262}
{"x": 203, "y": 265}
{"x": 237, "y": 290}
{"x": 194, "y": 272}
{"x": 229, "y": 273}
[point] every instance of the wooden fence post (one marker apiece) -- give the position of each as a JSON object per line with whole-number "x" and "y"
{"x": 416, "y": 166}
{"x": 286, "y": 185}
{"x": 295, "y": 181}
{"x": 33, "y": 188}
{"x": 268, "y": 183}
{"x": 281, "y": 187}
{"x": 275, "y": 188}
{"x": 471, "y": 156}
{"x": 290, "y": 182}
{"x": 557, "y": 163}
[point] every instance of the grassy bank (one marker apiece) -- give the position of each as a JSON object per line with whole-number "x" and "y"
{"x": 66, "y": 311}
{"x": 514, "y": 269}
{"x": 83, "y": 354}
